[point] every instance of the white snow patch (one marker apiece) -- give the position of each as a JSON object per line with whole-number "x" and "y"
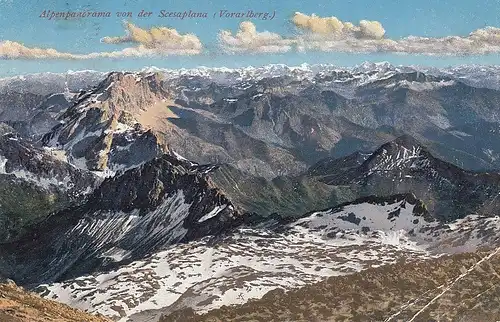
{"x": 212, "y": 213}
{"x": 440, "y": 121}
{"x": 3, "y": 163}
{"x": 459, "y": 133}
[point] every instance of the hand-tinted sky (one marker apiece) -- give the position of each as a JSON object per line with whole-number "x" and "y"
{"x": 74, "y": 38}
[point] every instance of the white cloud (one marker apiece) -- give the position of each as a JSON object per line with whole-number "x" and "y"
{"x": 479, "y": 42}
{"x": 313, "y": 33}
{"x": 247, "y": 39}
{"x": 333, "y": 28}
{"x": 333, "y": 35}
{"x": 157, "y": 41}
{"x": 160, "y": 40}
{"x": 14, "y": 50}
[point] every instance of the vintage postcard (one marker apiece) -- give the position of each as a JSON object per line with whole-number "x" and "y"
{"x": 249, "y": 160}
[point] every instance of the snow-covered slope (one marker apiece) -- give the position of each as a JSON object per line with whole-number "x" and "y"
{"x": 231, "y": 269}
{"x": 409, "y": 217}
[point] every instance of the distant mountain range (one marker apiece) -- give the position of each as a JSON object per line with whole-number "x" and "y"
{"x": 269, "y": 121}
{"x": 137, "y": 195}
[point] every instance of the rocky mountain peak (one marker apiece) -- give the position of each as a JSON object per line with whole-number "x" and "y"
{"x": 402, "y": 152}
{"x": 107, "y": 125}
{"x": 146, "y": 186}
{"x": 401, "y": 143}
{"x": 121, "y": 91}
{"x": 159, "y": 203}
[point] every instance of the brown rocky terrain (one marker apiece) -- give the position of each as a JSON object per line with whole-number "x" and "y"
{"x": 461, "y": 287}
{"x": 18, "y": 305}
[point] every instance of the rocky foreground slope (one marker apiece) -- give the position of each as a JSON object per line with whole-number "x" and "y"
{"x": 19, "y": 305}
{"x": 169, "y": 199}
{"x": 461, "y": 287}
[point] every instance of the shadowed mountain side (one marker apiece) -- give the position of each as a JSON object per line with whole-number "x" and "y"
{"x": 285, "y": 196}
{"x": 163, "y": 202}
{"x": 34, "y": 183}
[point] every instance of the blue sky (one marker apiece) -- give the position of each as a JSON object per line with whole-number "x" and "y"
{"x": 20, "y": 23}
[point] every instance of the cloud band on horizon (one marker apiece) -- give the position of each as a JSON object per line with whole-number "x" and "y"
{"x": 330, "y": 34}
{"x": 157, "y": 41}
{"x": 312, "y": 33}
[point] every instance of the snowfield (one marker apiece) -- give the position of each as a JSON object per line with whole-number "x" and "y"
{"x": 232, "y": 269}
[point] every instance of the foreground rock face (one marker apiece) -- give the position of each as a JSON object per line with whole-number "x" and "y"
{"x": 18, "y": 305}
{"x": 461, "y": 287}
